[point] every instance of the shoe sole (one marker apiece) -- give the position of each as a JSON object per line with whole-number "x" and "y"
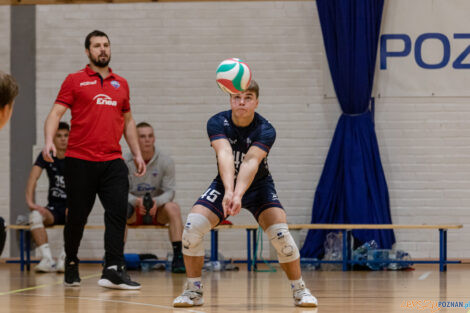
{"x": 45, "y": 271}
{"x": 108, "y": 284}
{"x": 74, "y": 284}
{"x": 187, "y": 305}
{"x": 307, "y": 305}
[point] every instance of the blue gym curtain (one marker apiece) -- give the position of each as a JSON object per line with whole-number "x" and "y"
{"x": 352, "y": 187}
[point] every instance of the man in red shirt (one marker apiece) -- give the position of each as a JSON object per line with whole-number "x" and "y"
{"x": 99, "y": 103}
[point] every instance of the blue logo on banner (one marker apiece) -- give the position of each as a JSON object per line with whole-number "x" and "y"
{"x": 446, "y": 42}
{"x": 115, "y": 84}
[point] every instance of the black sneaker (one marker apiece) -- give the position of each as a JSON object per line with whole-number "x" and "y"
{"x": 71, "y": 276}
{"x": 116, "y": 277}
{"x": 177, "y": 265}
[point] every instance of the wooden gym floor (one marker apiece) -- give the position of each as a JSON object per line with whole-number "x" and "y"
{"x": 239, "y": 291}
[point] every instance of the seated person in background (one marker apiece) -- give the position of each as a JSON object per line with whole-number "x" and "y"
{"x": 55, "y": 211}
{"x": 159, "y": 182}
{"x": 8, "y": 93}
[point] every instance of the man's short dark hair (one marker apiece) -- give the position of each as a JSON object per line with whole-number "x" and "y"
{"x": 254, "y": 87}
{"x": 8, "y": 89}
{"x": 64, "y": 125}
{"x": 95, "y": 33}
{"x": 144, "y": 124}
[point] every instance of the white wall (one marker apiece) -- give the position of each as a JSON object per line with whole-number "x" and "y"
{"x": 169, "y": 53}
{"x": 5, "y": 132}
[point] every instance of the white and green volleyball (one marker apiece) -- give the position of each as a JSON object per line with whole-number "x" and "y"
{"x": 233, "y": 75}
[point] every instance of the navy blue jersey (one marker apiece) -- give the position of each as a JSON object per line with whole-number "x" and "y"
{"x": 259, "y": 133}
{"x": 55, "y": 173}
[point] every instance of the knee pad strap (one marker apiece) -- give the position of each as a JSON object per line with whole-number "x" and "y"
{"x": 197, "y": 225}
{"x": 282, "y": 241}
{"x": 36, "y": 220}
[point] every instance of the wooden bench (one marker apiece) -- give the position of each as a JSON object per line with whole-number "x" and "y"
{"x": 346, "y": 230}
{"x": 25, "y": 239}
{"x": 251, "y": 232}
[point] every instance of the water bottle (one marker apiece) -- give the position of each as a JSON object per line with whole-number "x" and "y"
{"x": 215, "y": 266}
{"x": 148, "y": 204}
{"x": 145, "y": 266}
{"x": 169, "y": 259}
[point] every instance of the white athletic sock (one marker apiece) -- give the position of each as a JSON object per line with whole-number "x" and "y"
{"x": 45, "y": 251}
{"x": 297, "y": 284}
{"x": 62, "y": 254}
{"x": 195, "y": 283}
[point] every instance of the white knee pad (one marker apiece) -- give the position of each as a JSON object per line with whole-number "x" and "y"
{"x": 197, "y": 225}
{"x": 283, "y": 242}
{"x": 36, "y": 220}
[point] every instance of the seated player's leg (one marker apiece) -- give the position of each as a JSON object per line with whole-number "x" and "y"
{"x": 60, "y": 215}
{"x": 38, "y": 221}
{"x": 131, "y": 214}
{"x": 170, "y": 213}
{"x": 205, "y": 214}
{"x": 131, "y": 218}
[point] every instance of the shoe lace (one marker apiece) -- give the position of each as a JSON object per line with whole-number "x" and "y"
{"x": 124, "y": 274}
{"x": 191, "y": 293}
{"x": 304, "y": 292}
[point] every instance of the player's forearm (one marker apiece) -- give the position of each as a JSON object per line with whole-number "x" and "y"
{"x": 130, "y": 134}
{"x": 50, "y": 126}
{"x": 30, "y": 195}
{"x": 226, "y": 169}
{"x": 247, "y": 173}
{"x": 132, "y": 199}
{"x": 165, "y": 197}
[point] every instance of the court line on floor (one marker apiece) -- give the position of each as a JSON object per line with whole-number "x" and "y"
{"x": 119, "y": 301}
{"x": 424, "y": 276}
{"x": 61, "y": 281}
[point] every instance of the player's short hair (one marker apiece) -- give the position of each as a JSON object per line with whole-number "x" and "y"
{"x": 64, "y": 125}
{"x": 8, "y": 89}
{"x": 144, "y": 124}
{"x": 253, "y": 87}
{"x": 95, "y": 33}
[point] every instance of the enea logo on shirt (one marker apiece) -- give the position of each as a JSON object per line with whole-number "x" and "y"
{"x": 103, "y": 99}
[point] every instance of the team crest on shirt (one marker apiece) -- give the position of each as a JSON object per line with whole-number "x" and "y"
{"x": 226, "y": 123}
{"x": 248, "y": 141}
{"x": 115, "y": 84}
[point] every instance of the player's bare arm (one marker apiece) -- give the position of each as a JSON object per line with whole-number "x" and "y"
{"x": 130, "y": 134}
{"x": 225, "y": 161}
{"x": 50, "y": 128}
{"x": 31, "y": 187}
{"x": 248, "y": 169}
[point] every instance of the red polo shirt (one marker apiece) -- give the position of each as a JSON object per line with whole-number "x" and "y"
{"x": 98, "y": 106}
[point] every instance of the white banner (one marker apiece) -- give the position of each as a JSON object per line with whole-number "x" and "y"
{"x": 424, "y": 49}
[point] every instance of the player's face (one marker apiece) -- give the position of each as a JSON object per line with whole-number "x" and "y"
{"x": 5, "y": 114}
{"x": 146, "y": 138}
{"x": 61, "y": 138}
{"x": 243, "y": 104}
{"x": 99, "y": 52}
